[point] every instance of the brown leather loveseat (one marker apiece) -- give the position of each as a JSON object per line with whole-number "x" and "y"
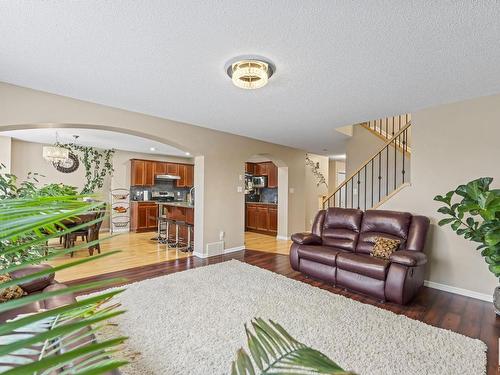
{"x": 338, "y": 251}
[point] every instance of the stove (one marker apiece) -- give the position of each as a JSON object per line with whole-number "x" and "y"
{"x": 163, "y": 196}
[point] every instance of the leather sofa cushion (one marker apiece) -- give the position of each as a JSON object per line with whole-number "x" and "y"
{"x": 362, "y": 264}
{"x": 319, "y": 254}
{"x": 341, "y": 228}
{"x": 379, "y": 223}
{"x": 36, "y": 284}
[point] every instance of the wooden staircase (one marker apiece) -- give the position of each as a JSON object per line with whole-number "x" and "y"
{"x": 383, "y": 174}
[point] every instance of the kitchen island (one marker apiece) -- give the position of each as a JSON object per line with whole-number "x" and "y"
{"x": 144, "y": 214}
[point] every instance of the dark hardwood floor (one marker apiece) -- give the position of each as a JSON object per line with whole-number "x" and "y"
{"x": 468, "y": 316}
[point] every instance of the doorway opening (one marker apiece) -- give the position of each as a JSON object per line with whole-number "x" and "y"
{"x": 148, "y": 178}
{"x": 266, "y": 204}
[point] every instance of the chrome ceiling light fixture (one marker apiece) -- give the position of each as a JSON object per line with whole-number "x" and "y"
{"x": 249, "y": 73}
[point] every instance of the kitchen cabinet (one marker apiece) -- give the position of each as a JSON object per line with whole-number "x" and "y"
{"x": 273, "y": 219}
{"x": 261, "y": 169}
{"x": 142, "y": 173}
{"x": 272, "y": 175}
{"x": 160, "y": 168}
{"x": 250, "y": 168}
{"x": 189, "y": 176}
{"x": 251, "y": 216}
{"x": 173, "y": 169}
{"x": 186, "y": 174}
{"x": 267, "y": 168}
{"x": 261, "y": 218}
{"x": 143, "y": 216}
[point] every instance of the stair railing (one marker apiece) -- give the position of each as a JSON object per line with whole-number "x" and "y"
{"x": 377, "y": 178}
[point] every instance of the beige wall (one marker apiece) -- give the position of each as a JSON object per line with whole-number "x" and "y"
{"x": 223, "y": 154}
{"x": 5, "y": 153}
{"x": 27, "y": 157}
{"x": 315, "y": 193}
{"x": 334, "y": 167}
{"x": 452, "y": 144}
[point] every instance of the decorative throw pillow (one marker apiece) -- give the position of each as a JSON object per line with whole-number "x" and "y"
{"x": 12, "y": 292}
{"x": 384, "y": 247}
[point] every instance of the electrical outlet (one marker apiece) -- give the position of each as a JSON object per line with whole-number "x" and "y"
{"x": 221, "y": 235}
{"x": 239, "y": 189}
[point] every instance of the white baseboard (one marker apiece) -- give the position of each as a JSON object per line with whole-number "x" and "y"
{"x": 233, "y": 249}
{"x": 463, "y": 292}
{"x": 225, "y": 251}
{"x": 283, "y": 238}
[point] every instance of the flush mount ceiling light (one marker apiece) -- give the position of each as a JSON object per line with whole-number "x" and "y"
{"x": 250, "y": 73}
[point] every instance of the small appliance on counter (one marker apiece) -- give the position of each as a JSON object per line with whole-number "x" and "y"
{"x": 146, "y": 195}
{"x": 163, "y": 196}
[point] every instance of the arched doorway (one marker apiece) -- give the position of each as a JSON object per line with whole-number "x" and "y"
{"x": 124, "y": 178}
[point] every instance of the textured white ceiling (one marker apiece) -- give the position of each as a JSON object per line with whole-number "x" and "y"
{"x": 96, "y": 138}
{"x": 338, "y": 62}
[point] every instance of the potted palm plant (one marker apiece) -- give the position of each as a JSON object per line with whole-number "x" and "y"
{"x": 473, "y": 212}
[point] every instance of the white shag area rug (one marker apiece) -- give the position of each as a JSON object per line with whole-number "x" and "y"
{"x": 191, "y": 322}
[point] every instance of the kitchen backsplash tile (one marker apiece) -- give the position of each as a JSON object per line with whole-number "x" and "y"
{"x": 163, "y": 185}
{"x": 268, "y": 195}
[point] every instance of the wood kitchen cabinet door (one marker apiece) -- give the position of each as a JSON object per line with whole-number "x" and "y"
{"x": 262, "y": 218}
{"x": 142, "y": 217}
{"x": 149, "y": 174}
{"x": 189, "y": 176}
{"x": 273, "y": 219}
{"x": 182, "y": 174}
{"x": 152, "y": 217}
{"x": 250, "y": 168}
{"x": 173, "y": 169}
{"x": 261, "y": 169}
{"x": 160, "y": 168}
{"x": 251, "y": 217}
{"x": 272, "y": 175}
{"x": 137, "y": 172}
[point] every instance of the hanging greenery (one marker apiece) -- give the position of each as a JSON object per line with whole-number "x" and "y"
{"x": 98, "y": 164}
{"x": 320, "y": 179}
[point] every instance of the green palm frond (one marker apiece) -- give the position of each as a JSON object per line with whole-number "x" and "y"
{"x": 274, "y": 351}
{"x": 59, "y": 340}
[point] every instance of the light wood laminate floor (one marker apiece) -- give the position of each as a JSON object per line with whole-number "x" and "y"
{"x": 137, "y": 249}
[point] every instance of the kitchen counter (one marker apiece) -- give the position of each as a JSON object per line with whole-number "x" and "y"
{"x": 268, "y": 203}
{"x": 176, "y": 204}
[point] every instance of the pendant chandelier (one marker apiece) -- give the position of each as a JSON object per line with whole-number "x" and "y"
{"x": 55, "y": 153}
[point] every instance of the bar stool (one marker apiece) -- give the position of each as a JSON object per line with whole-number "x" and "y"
{"x": 190, "y": 242}
{"x": 180, "y": 243}
{"x": 162, "y": 229}
{"x": 169, "y": 242}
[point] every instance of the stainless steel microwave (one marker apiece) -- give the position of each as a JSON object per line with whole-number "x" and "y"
{"x": 259, "y": 181}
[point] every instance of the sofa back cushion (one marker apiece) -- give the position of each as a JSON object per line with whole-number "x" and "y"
{"x": 341, "y": 228}
{"x": 379, "y": 223}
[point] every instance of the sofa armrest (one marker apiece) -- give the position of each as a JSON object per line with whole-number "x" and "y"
{"x": 306, "y": 239}
{"x": 408, "y": 258}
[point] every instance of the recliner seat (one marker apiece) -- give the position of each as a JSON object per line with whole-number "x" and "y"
{"x": 338, "y": 251}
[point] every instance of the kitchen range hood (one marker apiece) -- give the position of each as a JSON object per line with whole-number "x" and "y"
{"x": 167, "y": 177}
